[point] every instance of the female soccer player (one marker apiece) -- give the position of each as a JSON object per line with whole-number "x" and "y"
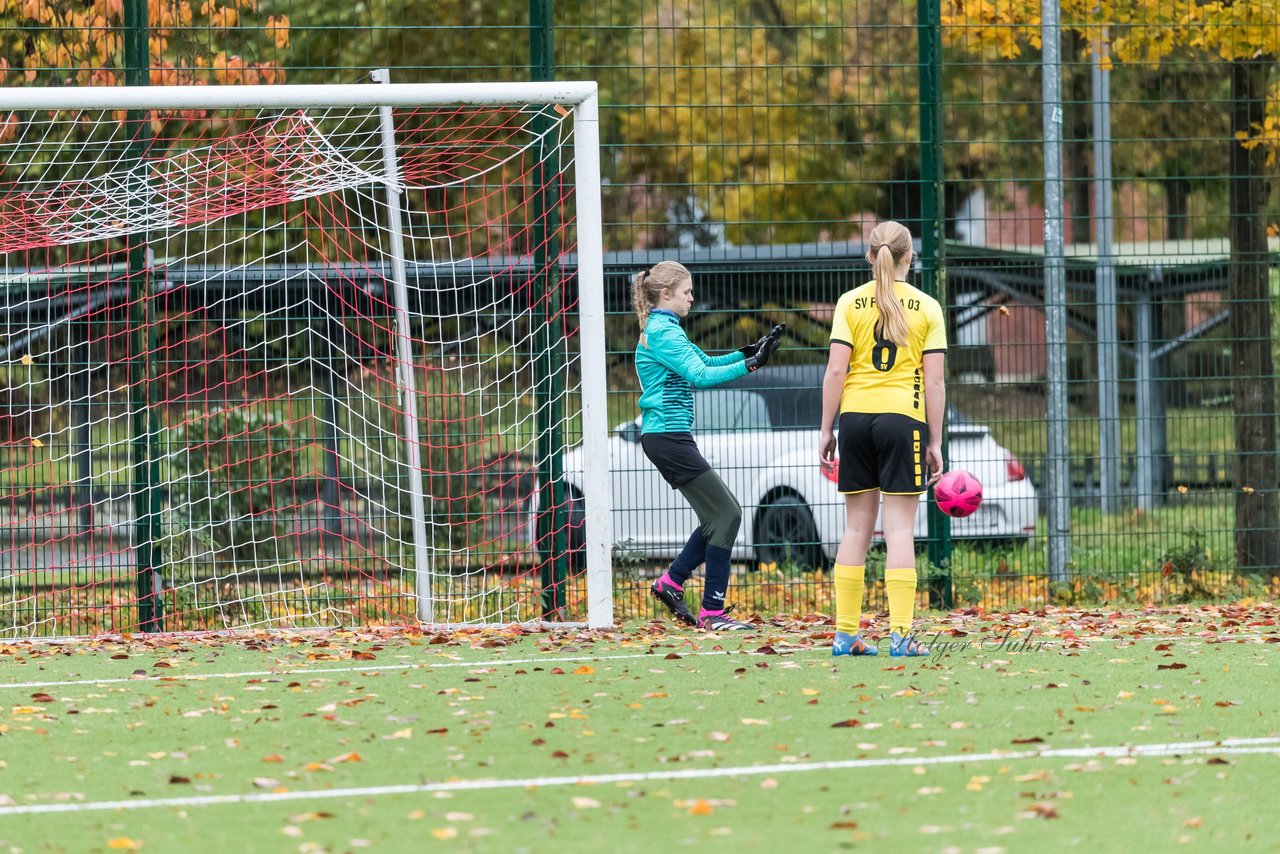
{"x": 670, "y": 366}
{"x": 885, "y": 378}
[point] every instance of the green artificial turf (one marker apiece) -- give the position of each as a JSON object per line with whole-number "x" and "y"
{"x": 951, "y": 751}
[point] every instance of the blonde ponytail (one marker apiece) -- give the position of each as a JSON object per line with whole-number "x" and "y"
{"x": 890, "y": 242}
{"x": 647, "y": 286}
{"x": 639, "y": 298}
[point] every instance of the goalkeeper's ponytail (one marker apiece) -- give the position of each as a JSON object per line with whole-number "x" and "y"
{"x": 640, "y": 296}
{"x": 647, "y": 286}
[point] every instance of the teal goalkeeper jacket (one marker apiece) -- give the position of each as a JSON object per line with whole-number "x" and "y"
{"x": 670, "y": 366}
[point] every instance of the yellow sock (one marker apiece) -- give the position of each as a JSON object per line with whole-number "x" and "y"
{"x": 900, "y": 589}
{"x": 850, "y": 585}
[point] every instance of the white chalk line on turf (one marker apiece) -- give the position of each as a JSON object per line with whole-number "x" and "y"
{"x": 976, "y": 646}
{"x": 368, "y": 668}
{"x": 1229, "y": 746}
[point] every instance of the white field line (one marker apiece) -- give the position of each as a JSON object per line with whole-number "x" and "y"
{"x": 368, "y": 668}
{"x": 976, "y": 645}
{"x": 1229, "y": 746}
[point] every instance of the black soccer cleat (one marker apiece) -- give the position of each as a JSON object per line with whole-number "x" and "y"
{"x": 723, "y": 623}
{"x": 674, "y": 600}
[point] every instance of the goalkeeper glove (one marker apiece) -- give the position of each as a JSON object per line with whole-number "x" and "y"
{"x": 765, "y": 348}
{"x": 751, "y": 349}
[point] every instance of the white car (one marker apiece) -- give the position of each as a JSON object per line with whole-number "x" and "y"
{"x": 760, "y": 433}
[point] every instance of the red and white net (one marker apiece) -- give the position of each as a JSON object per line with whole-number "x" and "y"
{"x": 203, "y": 419}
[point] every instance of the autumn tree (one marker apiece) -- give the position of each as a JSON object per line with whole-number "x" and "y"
{"x": 192, "y": 42}
{"x": 1163, "y": 132}
{"x": 443, "y": 41}
{"x": 1244, "y": 36}
{"x": 740, "y": 116}
{"x": 799, "y": 121}
{"x": 1160, "y": 133}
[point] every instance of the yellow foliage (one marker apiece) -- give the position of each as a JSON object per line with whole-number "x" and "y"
{"x": 112, "y": 10}
{"x": 741, "y": 111}
{"x": 1141, "y": 32}
{"x": 228, "y": 70}
{"x": 103, "y": 77}
{"x": 164, "y": 75}
{"x": 278, "y": 30}
{"x": 57, "y": 55}
{"x": 224, "y": 18}
{"x": 81, "y": 42}
{"x": 1144, "y": 31}
{"x": 161, "y": 15}
{"x": 271, "y": 74}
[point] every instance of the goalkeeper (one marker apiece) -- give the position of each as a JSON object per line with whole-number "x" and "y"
{"x": 670, "y": 366}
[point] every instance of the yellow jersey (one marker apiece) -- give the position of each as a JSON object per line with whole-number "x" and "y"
{"x": 884, "y": 377}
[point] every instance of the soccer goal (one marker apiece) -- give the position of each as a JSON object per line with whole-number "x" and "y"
{"x": 300, "y": 356}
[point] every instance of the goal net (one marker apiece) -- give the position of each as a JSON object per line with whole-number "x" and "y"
{"x": 299, "y": 357}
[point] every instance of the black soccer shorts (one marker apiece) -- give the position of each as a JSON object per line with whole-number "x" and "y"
{"x": 883, "y": 451}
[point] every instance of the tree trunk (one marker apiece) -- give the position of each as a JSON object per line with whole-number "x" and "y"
{"x": 1176, "y": 192}
{"x": 1079, "y": 136}
{"x": 1257, "y": 504}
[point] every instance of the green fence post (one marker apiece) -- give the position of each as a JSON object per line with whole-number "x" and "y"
{"x": 549, "y": 364}
{"x": 932, "y": 231}
{"x": 146, "y": 496}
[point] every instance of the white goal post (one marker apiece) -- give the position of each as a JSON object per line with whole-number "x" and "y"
{"x": 284, "y": 356}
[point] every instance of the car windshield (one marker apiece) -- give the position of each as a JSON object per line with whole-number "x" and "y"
{"x": 787, "y": 397}
{"x": 795, "y": 408}
{"x": 719, "y": 410}
{"x": 777, "y": 398}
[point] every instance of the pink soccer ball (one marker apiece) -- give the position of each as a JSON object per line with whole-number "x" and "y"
{"x": 958, "y": 493}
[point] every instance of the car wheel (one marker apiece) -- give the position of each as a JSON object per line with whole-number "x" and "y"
{"x": 575, "y": 519}
{"x": 786, "y": 535}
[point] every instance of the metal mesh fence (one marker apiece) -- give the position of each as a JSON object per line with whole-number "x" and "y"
{"x": 758, "y": 142}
